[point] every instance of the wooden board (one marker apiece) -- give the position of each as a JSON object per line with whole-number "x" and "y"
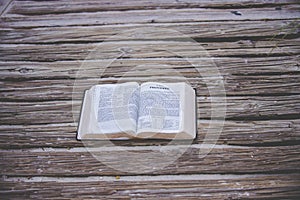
{"x": 48, "y": 58}
{"x": 46, "y": 7}
{"x": 202, "y": 31}
{"x": 263, "y": 132}
{"x": 150, "y": 187}
{"x": 149, "y": 16}
{"x": 148, "y": 49}
{"x": 122, "y": 160}
{"x": 22, "y": 70}
{"x": 244, "y": 107}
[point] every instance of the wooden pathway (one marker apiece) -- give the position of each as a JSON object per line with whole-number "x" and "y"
{"x": 254, "y": 45}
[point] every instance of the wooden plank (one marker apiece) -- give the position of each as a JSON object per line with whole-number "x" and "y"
{"x": 46, "y": 90}
{"x": 22, "y": 70}
{"x": 240, "y": 108}
{"x": 148, "y": 49}
{"x": 150, "y": 187}
{"x": 264, "y": 71}
{"x": 53, "y": 7}
{"x": 4, "y": 6}
{"x": 243, "y": 76}
{"x": 222, "y": 31}
{"x": 253, "y": 132}
{"x": 149, "y": 16}
{"x": 80, "y": 162}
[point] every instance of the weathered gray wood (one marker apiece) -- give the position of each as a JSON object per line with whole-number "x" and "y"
{"x": 233, "y": 132}
{"x": 80, "y": 162}
{"x": 147, "y": 49}
{"x": 22, "y": 70}
{"x": 4, "y": 6}
{"x": 256, "y": 52}
{"x": 45, "y": 90}
{"x": 202, "y": 31}
{"x": 163, "y": 187}
{"x": 241, "y": 108}
{"x": 149, "y": 16}
{"x": 52, "y": 7}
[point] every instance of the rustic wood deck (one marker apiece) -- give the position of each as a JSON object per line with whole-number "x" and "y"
{"x": 254, "y": 44}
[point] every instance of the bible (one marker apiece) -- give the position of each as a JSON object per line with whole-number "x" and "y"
{"x": 129, "y": 110}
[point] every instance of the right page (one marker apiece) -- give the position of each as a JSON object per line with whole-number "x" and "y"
{"x": 166, "y": 111}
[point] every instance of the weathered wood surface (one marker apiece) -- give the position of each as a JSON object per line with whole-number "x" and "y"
{"x": 52, "y": 7}
{"x": 254, "y": 45}
{"x": 148, "y": 49}
{"x": 152, "y": 187}
{"x": 244, "y": 107}
{"x": 22, "y": 70}
{"x": 234, "y": 132}
{"x": 235, "y": 85}
{"x": 204, "y": 31}
{"x": 149, "y": 16}
{"x": 80, "y": 162}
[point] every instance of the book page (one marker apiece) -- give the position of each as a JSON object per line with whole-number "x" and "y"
{"x": 153, "y": 110}
{"x": 116, "y": 107}
{"x": 159, "y": 109}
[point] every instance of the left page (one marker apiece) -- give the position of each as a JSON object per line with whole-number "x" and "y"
{"x": 112, "y": 111}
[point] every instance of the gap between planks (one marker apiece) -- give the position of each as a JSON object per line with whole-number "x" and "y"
{"x": 130, "y": 178}
{"x": 114, "y": 148}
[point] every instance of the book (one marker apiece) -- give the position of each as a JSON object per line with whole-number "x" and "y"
{"x": 129, "y": 110}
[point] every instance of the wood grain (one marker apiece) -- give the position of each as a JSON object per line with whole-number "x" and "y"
{"x": 202, "y": 31}
{"x": 22, "y": 70}
{"x": 238, "y": 108}
{"x": 45, "y": 90}
{"x": 80, "y": 162}
{"x": 147, "y": 49}
{"x": 149, "y": 16}
{"x": 4, "y": 6}
{"x": 62, "y": 135}
{"x": 163, "y": 187}
{"x": 254, "y": 45}
{"x": 52, "y": 7}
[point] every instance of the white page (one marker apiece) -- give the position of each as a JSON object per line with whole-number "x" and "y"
{"x": 116, "y": 107}
{"x": 159, "y": 109}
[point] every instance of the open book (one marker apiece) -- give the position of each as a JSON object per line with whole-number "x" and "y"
{"x": 129, "y": 110}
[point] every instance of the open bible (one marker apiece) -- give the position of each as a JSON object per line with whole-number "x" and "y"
{"x": 129, "y": 110}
